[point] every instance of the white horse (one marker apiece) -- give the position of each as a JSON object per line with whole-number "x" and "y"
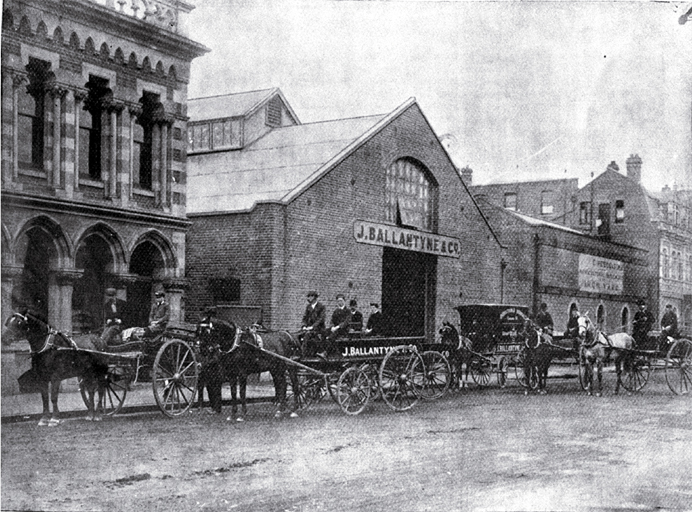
{"x": 596, "y": 347}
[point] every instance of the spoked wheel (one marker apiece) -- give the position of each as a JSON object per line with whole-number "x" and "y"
{"x": 400, "y": 385}
{"x": 311, "y": 389}
{"x": 174, "y": 377}
{"x": 481, "y": 368}
{"x": 679, "y": 367}
{"x": 437, "y": 374}
{"x": 520, "y": 374}
{"x": 353, "y": 390}
{"x": 636, "y": 371}
{"x": 118, "y": 382}
{"x": 502, "y": 368}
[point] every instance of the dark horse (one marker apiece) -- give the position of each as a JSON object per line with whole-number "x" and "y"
{"x": 54, "y": 358}
{"x": 230, "y": 354}
{"x": 538, "y": 354}
{"x": 460, "y": 351}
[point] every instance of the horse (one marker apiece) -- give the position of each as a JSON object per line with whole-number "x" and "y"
{"x": 230, "y": 354}
{"x": 596, "y": 347}
{"x": 460, "y": 351}
{"x": 54, "y": 358}
{"x": 539, "y": 353}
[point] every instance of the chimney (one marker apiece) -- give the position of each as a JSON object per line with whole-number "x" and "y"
{"x": 613, "y": 166}
{"x": 467, "y": 175}
{"x": 634, "y": 168}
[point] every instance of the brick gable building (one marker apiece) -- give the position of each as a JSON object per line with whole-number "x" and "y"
{"x": 371, "y": 207}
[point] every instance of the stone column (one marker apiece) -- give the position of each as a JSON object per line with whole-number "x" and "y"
{"x": 79, "y": 97}
{"x": 114, "y": 110}
{"x": 10, "y": 277}
{"x": 156, "y": 163}
{"x": 57, "y": 94}
{"x": 135, "y": 111}
{"x": 175, "y": 295}
{"x": 60, "y": 287}
{"x": 17, "y": 82}
{"x": 164, "y": 163}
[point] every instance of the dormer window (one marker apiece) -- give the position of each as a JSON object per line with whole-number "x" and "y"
{"x": 546, "y": 202}
{"x": 511, "y": 201}
{"x": 274, "y": 112}
{"x": 215, "y": 135}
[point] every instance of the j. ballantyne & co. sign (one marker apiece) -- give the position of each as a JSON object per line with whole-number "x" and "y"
{"x": 386, "y": 235}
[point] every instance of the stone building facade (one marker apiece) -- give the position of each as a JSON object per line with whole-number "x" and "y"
{"x": 370, "y": 207}
{"x": 94, "y": 117}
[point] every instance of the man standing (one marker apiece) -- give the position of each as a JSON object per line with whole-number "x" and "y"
{"x": 113, "y": 309}
{"x": 159, "y": 315}
{"x": 669, "y": 323}
{"x": 314, "y": 320}
{"x": 375, "y": 326}
{"x": 544, "y": 320}
{"x": 642, "y": 324}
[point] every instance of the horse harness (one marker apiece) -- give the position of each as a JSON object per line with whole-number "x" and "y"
{"x": 51, "y": 337}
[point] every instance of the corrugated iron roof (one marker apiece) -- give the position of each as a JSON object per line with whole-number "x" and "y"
{"x": 270, "y": 168}
{"x": 227, "y": 105}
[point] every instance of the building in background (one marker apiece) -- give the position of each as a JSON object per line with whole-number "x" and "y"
{"x": 371, "y": 207}
{"x": 94, "y": 115}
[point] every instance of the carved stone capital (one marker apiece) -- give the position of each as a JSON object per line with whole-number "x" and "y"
{"x": 19, "y": 79}
{"x": 176, "y": 284}
{"x": 11, "y": 272}
{"x": 116, "y": 106}
{"x": 56, "y": 91}
{"x": 80, "y": 94}
{"x": 67, "y": 276}
{"x": 135, "y": 110}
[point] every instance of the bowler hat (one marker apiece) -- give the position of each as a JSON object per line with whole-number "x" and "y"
{"x": 313, "y": 293}
{"x": 340, "y": 296}
{"x": 640, "y": 302}
{"x": 353, "y": 302}
{"x": 111, "y": 292}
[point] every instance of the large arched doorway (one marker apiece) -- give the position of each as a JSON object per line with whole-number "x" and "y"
{"x": 37, "y": 253}
{"x": 95, "y": 258}
{"x": 147, "y": 264}
{"x": 408, "y": 277}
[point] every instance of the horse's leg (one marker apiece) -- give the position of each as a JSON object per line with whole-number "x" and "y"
{"x": 295, "y": 384}
{"x": 233, "y": 380}
{"x": 54, "y": 393}
{"x": 279, "y": 378}
{"x": 599, "y": 367}
{"x": 588, "y": 374}
{"x": 242, "y": 380}
{"x": 45, "y": 398}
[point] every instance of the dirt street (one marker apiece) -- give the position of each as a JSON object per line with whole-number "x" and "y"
{"x": 489, "y": 449}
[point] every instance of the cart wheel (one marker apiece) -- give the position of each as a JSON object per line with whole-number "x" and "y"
{"x": 437, "y": 374}
{"x": 480, "y": 371}
{"x": 399, "y": 385}
{"x": 117, "y": 383}
{"x": 353, "y": 390}
{"x": 679, "y": 367}
{"x": 502, "y": 368}
{"x": 636, "y": 371}
{"x": 519, "y": 363}
{"x": 311, "y": 389}
{"x": 174, "y": 377}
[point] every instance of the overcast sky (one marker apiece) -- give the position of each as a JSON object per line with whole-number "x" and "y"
{"x": 526, "y": 90}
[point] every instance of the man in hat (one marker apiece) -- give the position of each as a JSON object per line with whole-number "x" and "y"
{"x": 543, "y": 319}
{"x": 642, "y": 323}
{"x": 356, "y": 324}
{"x": 669, "y": 323}
{"x": 375, "y": 326}
{"x": 341, "y": 317}
{"x": 314, "y": 320}
{"x": 113, "y": 309}
{"x": 159, "y": 315}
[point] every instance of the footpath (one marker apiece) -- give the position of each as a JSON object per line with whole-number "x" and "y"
{"x": 139, "y": 399}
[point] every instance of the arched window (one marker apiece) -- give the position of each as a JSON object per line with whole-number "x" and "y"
{"x": 31, "y": 114}
{"x": 411, "y": 196}
{"x": 91, "y": 127}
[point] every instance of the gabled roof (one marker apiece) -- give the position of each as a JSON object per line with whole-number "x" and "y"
{"x": 240, "y": 104}
{"x": 278, "y": 166}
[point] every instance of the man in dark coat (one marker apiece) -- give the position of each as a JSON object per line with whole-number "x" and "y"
{"x": 642, "y": 324}
{"x": 314, "y": 321}
{"x": 341, "y": 318}
{"x": 376, "y": 323}
{"x": 113, "y": 310}
{"x": 544, "y": 320}
{"x": 669, "y": 323}
{"x": 159, "y": 315}
{"x": 356, "y": 324}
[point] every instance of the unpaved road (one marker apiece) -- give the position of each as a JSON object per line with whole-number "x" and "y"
{"x": 487, "y": 449}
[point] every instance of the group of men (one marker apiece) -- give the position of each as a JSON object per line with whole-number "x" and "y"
{"x": 320, "y": 339}
{"x": 114, "y": 311}
{"x": 642, "y": 323}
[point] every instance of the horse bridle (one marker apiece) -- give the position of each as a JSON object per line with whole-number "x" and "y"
{"x": 236, "y": 341}
{"x": 50, "y": 335}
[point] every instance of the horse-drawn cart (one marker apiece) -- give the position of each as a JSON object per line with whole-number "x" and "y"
{"x": 168, "y": 361}
{"x": 400, "y": 370}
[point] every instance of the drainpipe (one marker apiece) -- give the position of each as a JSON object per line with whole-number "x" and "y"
{"x": 503, "y": 266}
{"x": 536, "y": 270}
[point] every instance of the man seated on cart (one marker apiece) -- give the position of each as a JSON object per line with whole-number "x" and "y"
{"x": 159, "y": 315}
{"x": 669, "y": 325}
{"x": 313, "y": 326}
{"x": 113, "y": 310}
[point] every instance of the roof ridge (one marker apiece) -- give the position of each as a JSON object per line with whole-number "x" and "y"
{"x": 231, "y": 94}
